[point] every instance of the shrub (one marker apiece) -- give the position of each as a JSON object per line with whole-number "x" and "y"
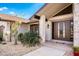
{"x": 29, "y": 38}
{"x": 21, "y": 37}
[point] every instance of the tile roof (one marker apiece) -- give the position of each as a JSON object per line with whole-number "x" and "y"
{"x": 5, "y": 17}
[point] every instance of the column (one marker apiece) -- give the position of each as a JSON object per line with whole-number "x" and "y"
{"x": 76, "y": 24}
{"x": 42, "y": 28}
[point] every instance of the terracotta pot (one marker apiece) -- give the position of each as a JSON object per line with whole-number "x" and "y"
{"x": 76, "y": 53}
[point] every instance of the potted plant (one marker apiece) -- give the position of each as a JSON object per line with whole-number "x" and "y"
{"x": 76, "y": 51}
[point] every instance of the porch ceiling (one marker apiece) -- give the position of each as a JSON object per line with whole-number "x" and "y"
{"x": 62, "y": 18}
{"x": 52, "y": 9}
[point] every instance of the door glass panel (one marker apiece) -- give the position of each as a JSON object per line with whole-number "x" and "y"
{"x": 61, "y": 30}
{"x": 71, "y": 29}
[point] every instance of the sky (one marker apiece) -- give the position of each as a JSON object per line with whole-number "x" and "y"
{"x": 24, "y": 10}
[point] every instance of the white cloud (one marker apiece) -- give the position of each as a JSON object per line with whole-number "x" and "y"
{"x": 12, "y": 13}
{"x": 15, "y": 14}
{"x": 3, "y": 8}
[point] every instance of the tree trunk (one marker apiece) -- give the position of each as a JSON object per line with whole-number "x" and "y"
{"x": 15, "y": 39}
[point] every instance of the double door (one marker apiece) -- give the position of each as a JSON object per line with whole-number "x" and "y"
{"x": 62, "y": 30}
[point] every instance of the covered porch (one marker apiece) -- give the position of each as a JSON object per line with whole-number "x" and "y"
{"x": 55, "y": 23}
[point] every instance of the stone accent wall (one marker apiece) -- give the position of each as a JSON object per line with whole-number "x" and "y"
{"x": 42, "y": 27}
{"x": 6, "y": 30}
{"x": 76, "y": 24}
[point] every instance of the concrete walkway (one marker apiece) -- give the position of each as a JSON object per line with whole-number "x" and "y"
{"x": 52, "y": 49}
{"x": 46, "y": 51}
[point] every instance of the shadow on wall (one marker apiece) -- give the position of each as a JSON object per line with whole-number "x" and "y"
{"x": 1, "y": 33}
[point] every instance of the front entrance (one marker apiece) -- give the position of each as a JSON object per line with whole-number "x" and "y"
{"x": 62, "y": 30}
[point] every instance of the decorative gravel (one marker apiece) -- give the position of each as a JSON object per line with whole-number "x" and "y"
{"x": 10, "y": 49}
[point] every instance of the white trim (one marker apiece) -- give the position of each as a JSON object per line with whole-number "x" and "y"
{"x": 58, "y": 30}
{"x": 60, "y": 41}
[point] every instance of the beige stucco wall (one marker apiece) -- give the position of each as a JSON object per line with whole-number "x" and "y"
{"x": 23, "y": 28}
{"x": 6, "y": 30}
{"x": 48, "y": 30}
